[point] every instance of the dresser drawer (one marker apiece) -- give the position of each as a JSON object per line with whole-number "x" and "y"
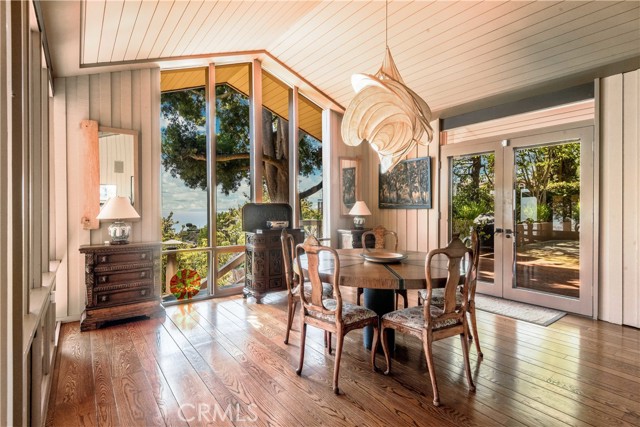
{"x": 125, "y": 296}
{"x": 123, "y": 276}
{"x": 124, "y": 257}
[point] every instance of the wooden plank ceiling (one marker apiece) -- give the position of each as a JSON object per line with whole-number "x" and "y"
{"x": 450, "y": 53}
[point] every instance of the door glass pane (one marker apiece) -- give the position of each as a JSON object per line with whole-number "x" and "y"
{"x": 547, "y": 214}
{"x": 472, "y": 205}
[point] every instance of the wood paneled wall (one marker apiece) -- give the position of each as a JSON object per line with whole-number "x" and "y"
{"x": 127, "y": 100}
{"x": 620, "y": 199}
{"x": 418, "y": 229}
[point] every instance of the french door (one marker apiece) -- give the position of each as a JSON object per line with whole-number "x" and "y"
{"x": 531, "y": 200}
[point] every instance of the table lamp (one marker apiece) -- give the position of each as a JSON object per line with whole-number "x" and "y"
{"x": 359, "y": 210}
{"x": 118, "y": 209}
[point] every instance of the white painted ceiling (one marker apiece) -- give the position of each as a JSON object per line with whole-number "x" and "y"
{"x": 451, "y": 53}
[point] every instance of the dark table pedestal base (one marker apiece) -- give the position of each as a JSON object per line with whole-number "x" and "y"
{"x": 382, "y": 301}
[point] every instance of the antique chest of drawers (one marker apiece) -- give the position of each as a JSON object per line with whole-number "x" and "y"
{"x": 264, "y": 268}
{"x": 122, "y": 282}
{"x": 349, "y": 239}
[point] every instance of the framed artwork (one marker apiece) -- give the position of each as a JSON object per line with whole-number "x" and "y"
{"x": 349, "y": 184}
{"x": 406, "y": 186}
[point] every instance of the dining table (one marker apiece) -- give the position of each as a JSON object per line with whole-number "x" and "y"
{"x": 379, "y": 276}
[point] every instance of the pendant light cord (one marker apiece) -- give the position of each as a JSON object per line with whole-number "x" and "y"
{"x": 386, "y": 23}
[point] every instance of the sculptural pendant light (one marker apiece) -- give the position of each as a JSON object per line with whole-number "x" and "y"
{"x": 386, "y": 113}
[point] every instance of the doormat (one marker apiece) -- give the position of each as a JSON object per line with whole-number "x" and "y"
{"x": 517, "y": 310}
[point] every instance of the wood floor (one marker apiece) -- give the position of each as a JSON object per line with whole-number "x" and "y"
{"x": 223, "y": 362}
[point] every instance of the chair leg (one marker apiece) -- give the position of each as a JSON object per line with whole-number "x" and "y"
{"x": 465, "y": 351}
{"x": 336, "y": 363}
{"x": 403, "y": 294}
{"x": 432, "y": 370}
{"x": 291, "y": 311}
{"x": 327, "y": 341}
{"x": 303, "y": 336}
{"x": 374, "y": 346}
{"x": 474, "y": 327}
{"x": 385, "y": 349}
{"x": 358, "y": 294}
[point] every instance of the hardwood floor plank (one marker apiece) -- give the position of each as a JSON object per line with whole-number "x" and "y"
{"x": 224, "y": 362}
{"x": 186, "y": 385}
{"x": 166, "y": 401}
{"x": 75, "y": 395}
{"x": 107, "y": 411}
{"x": 252, "y": 397}
{"x": 262, "y": 355}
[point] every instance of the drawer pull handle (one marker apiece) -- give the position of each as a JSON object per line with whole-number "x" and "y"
{"x": 143, "y": 256}
{"x": 143, "y": 274}
{"x": 103, "y": 279}
{"x": 143, "y": 292}
{"x": 103, "y": 258}
{"x": 104, "y": 298}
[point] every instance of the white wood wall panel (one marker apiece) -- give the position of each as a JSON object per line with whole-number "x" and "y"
{"x": 631, "y": 203}
{"x": 417, "y": 228}
{"x": 611, "y": 218}
{"x": 575, "y": 112}
{"x": 129, "y": 99}
{"x": 116, "y": 100}
{"x": 60, "y": 191}
{"x": 125, "y": 99}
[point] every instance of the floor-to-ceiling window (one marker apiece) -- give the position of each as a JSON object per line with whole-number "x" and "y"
{"x": 232, "y": 172}
{"x": 310, "y": 188}
{"x": 185, "y": 208}
{"x": 207, "y": 176}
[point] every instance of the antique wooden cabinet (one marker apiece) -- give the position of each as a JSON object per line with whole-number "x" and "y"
{"x": 348, "y": 239}
{"x": 122, "y": 282}
{"x": 264, "y": 268}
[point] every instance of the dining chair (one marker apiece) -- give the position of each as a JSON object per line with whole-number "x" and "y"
{"x": 331, "y": 314}
{"x": 437, "y": 295}
{"x": 380, "y": 238}
{"x": 432, "y": 323}
{"x": 293, "y": 286}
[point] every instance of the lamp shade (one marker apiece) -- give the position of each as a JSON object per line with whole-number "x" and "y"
{"x": 118, "y": 207}
{"x": 360, "y": 209}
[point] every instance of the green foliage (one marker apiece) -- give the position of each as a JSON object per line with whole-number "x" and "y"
{"x": 473, "y": 182}
{"x": 551, "y": 174}
{"x": 184, "y": 140}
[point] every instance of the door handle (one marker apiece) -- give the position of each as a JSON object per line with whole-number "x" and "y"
{"x": 507, "y": 233}
{"x": 498, "y": 230}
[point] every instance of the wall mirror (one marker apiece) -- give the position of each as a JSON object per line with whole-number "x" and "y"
{"x": 118, "y": 161}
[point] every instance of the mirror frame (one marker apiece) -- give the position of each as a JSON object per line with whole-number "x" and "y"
{"x": 89, "y": 168}
{"x": 136, "y": 163}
